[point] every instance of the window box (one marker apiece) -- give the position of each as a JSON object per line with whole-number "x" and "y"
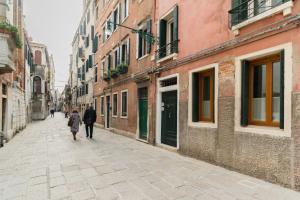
{"x": 106, "y": 76}
{"x": 122, "y": 68}
{"x": 114, "y": 73}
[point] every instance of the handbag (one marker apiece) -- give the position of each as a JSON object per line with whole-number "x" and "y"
{"x": 70, "y": 122}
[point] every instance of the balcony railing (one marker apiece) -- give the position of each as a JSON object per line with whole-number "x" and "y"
{"x": 167, "y": 50}
{"x": 251, "y": 8}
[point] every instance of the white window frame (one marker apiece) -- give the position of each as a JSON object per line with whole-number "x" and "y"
{"x": 125, "y": 11}
{"x": 142, "y": 27}
{"x": 121, "y": 115}
{"x": 113, "y": 107}
{"x": 202, "y": 124}
{"x": 115, "y": 65}
{"x": 102, "y": 100}
{"x": 288, "y": 63}
{"x": 116, "y": 21}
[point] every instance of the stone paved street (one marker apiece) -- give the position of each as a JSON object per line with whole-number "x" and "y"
{"x": 43, "y": 162}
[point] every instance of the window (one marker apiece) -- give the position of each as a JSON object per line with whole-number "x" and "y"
{"x": 103, "y": 34}
{"x": 95, "y": 105}
{"x": 126, "y": 9}
{"x": 262, "y": 91}
{"x": 143, "y": 40}
{"x": 37, "y": 85}
{"x": 102, "y": 67}
{"x": 115, "y": 105}
{"x": 88, "y": 17}
{"x": 102, "y": 106}
{"x": 125, "y": 52}
{"x": 116, "y": 18}
{"x": 168, "y": 34}
{"x": 116, "y": 57}
{"x": 243, "y": 10}
{"x": 38, "y": 57}
{"x": 96, "y": 74}
{"x": 87, "y": 89}
{"x": 203, "y": 97}
{"x": 124, "y": 104}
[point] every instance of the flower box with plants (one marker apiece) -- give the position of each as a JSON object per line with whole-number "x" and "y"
{"x": 106, "y": 76}
{"x": 123, "y": 68}
{"x": 114, "y": 73}
{"x": 13, "y": 31}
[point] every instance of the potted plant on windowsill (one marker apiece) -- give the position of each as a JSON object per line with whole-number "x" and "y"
{"x": 106, "y": 76}
{"x": 114, "y": 73}
{"x": 123, "y": 68}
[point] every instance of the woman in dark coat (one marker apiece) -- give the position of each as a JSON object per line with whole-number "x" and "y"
{"x": 74, "y": 122}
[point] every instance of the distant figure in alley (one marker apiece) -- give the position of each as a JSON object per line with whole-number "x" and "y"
{"x": 52, "y": 112}
{"x": 74, "y": 122}
{"x": 89, "y": 118}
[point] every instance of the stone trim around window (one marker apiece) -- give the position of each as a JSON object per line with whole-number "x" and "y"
{"x": 265, "y": 130}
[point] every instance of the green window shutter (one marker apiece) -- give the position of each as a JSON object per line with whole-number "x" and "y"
{"x": 140, "y": 38}
{"x": 282, "y": 89}
{"x": 245, "y": 93}
{"x": 175, "y": 32}
{"x": 149, "y": 39}
{"x": 90, "y": 61}
{"x": 162, "y": 38}
{"x": 234, "y": 14}
{"x": 92, "y": 32}
{"x": 128, "y": 51}
{"x": 195, "y": 97}
{"x": 109, "y": 63}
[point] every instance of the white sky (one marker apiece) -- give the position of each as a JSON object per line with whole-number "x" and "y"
{"x": 53, "y": 23}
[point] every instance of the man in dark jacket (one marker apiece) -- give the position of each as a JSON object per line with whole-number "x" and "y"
{"x": 89, "y": 118}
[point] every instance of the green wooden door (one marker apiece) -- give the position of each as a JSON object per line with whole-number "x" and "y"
{"x": 143, "y": 113}
{"x": 169, "y": 118}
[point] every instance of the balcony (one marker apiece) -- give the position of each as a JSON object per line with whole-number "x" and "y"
{"x": 167, "y": 51}
{"x": 250, "y": 11}
{"x": 81, "y": 53}
{"x": 7, "y": 47}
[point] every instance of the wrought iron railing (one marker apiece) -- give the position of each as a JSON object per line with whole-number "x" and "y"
{"x": 167, "y": 50}
{"x": 251, "y": 8}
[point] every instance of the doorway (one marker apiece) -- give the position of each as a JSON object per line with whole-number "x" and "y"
{"x": 169, "y": 118}
{"x": 143, "y": 113}
{"x": 4, "y": 102}
{"x": 167, "y": 111}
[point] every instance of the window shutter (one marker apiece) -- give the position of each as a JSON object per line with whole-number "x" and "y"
{"x": 162, "y": 38}
{"x": 235, "y": 12}
{"x": 79, "y": 73}
{"x": 282, "y": 89}
{"x": 140, "y": 44}
{"x": 92, "y": 33}
{"x": 195, "y": 98}
{"x": 149, "y": 41}
{"x": 128, "y": 51}
{"x": 90, "y": 61}
{"x": 137, "y": 45}
{"x": 119, "y": 55}
{"x": 109, "y": 62}
{"x": 175, "y": 32}
{"x": 245, "y": 93}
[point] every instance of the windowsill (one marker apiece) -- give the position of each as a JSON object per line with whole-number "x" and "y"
{"x": 101, "y": 115}
{"x": 115, "y": 116}
{"x": 124, "y": 117}
{"x": 144, "y": 56}
{"x": 202, "y": 125}
{"x": 173, "y": 56}
{"x": 263, "y": 130}
{"x": 285, "y": 8}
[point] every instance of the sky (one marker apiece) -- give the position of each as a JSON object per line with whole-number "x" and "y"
{"x": 54, "y": 23}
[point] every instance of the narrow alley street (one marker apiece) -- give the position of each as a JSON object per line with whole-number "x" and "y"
{"x": 43, "y": 162}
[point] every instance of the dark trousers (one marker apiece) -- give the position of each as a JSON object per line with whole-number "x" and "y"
{"x": 89, "y": 133}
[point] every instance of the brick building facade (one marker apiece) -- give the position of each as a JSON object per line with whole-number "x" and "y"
{"x": 224, "y": 91}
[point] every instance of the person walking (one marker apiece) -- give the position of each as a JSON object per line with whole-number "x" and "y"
{"x": 74, "y": 122}
{"x": 52, "y": 112}
{"x": 89, "y": 118}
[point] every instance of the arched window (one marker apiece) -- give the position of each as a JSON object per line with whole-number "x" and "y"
{"x": 38, "y": 57}
{"x": 37, "y": 85}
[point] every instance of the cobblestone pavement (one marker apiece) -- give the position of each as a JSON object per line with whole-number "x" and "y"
{"x": 43, "y": 162}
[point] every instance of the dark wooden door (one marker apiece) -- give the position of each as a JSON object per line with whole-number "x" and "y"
{"x": 107, "y": 112}
{"x": 169, "y": 118}
{"x": 143, "y": 113}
